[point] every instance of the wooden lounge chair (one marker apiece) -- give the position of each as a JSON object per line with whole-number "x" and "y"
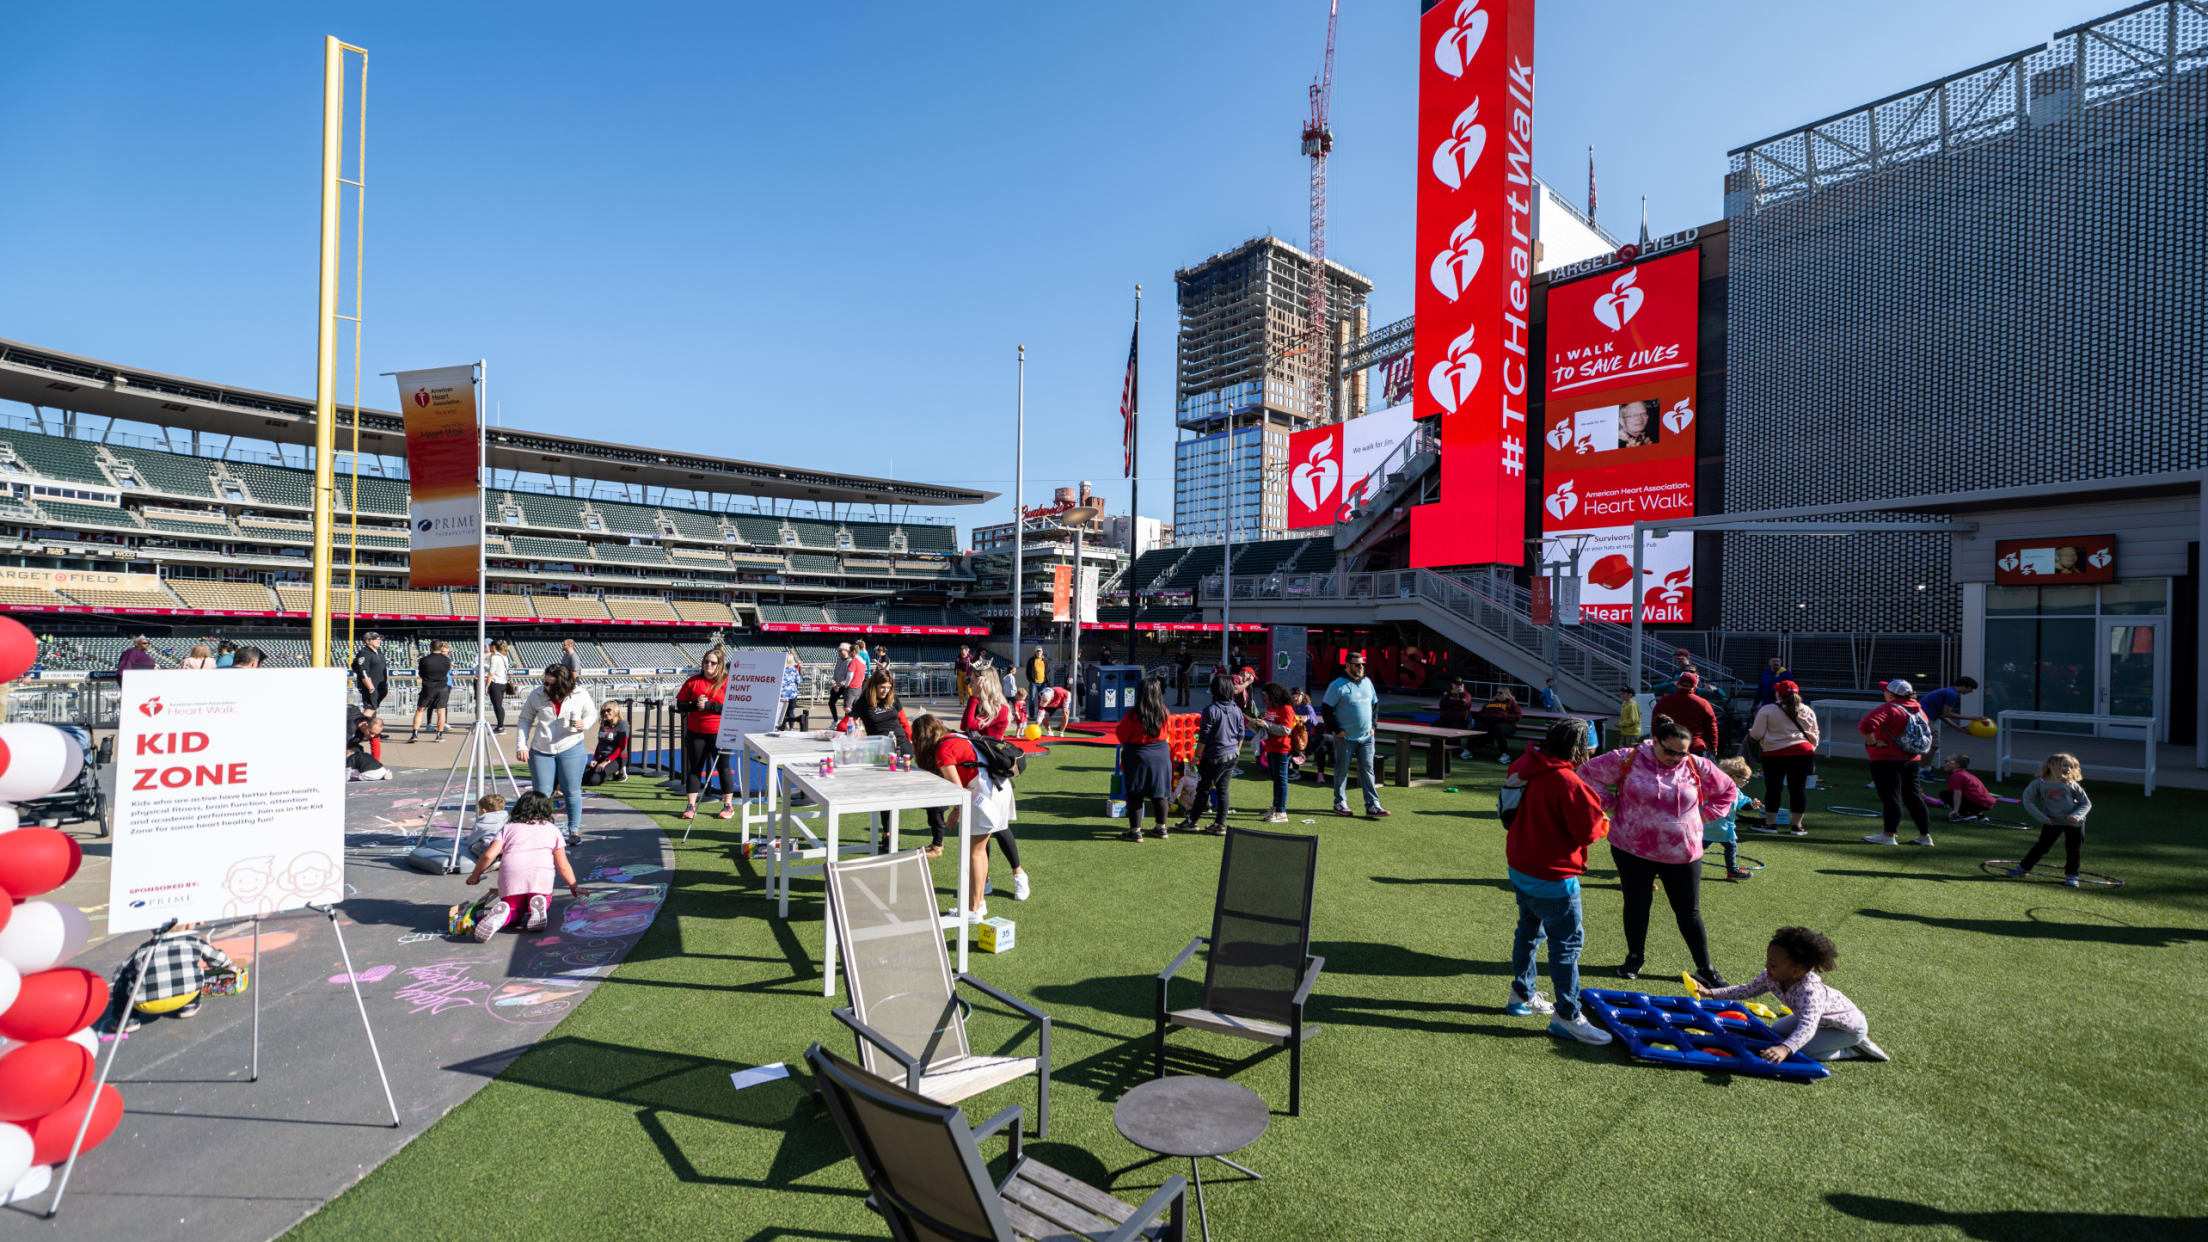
{"x": 905, "y": 1010}
{"x": 929, "y": 1181}
{"x": 1260, "y": 969}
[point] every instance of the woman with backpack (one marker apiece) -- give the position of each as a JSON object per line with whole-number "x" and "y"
{"x": 1786, "y": 732}
{"x": 1897, "y": 736}
{"x": 1657, "y": 796}
{"x": 959, "y": 760}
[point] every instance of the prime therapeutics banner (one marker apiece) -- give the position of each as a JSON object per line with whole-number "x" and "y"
{"x": 1335, "y": 465}
{"x": 229, "y": 795}
{"x": 1619, "y": 444}
{"x": 1474, "y": 255}
{"x": 445, "y": 519}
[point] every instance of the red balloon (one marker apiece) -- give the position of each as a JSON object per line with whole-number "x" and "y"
{"x": 52, "y": 1133}
{"x": 39, "y": 1077}
{"x": 37, "y": 860}
{"x": 18, "y": 649}
{"x": 53, "y": 1004}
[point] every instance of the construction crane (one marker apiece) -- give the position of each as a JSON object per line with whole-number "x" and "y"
{"x": 1318, "y": 141}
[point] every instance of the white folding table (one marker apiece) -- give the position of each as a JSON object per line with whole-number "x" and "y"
{"x": 774, "y": 752}
{"x": 859, "y": 791}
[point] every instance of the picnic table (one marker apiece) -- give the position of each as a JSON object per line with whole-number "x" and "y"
{"x": 1439, "y": 741}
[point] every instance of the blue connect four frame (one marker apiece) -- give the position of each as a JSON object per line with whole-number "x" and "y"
{"x": 1682, "y": 1030}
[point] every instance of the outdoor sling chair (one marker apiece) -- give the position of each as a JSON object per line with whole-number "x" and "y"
{"x": 905, "y": 1009}
{"x": 928, "y": 1180}
{"x": 1260, "y": 969}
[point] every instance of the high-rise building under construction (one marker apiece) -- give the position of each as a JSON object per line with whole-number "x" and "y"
{"x": 1242, "y": 382}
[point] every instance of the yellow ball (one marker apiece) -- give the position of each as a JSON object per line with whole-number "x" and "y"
{"x": 1982, "y": 728}
{"x": 1034, "y": 731}
{"x": 168, "y": 1005}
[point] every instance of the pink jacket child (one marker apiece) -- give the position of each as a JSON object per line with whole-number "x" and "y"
{"x": 1657, "y": 812}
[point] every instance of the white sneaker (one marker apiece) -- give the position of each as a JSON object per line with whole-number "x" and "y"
{"x": 1276, "y": 817}
{"x": 975, "y": 915}
{"x": 1529, "y": 1006}
{"x": 1880, "y": 838}
{"x": 1581, "y": 1029}
{"x": 1869, "y": 1051}
{"x": 1925, "y": 841}
{"x": 1019, "y": 886}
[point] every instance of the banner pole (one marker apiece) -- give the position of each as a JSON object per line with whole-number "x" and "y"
{"x": 1134, "y": 486}
{"x": 373, "y": 1054}
{"x": 1019, "y": 518}
{"x": 255, "y": 1069}
{"x": 482, "y": 539}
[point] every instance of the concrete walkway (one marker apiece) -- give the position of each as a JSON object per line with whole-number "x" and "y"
{"x": 205, "y": 1155}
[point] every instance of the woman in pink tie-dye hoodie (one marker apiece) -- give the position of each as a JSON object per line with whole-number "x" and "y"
{"x": 1657, "y": 795}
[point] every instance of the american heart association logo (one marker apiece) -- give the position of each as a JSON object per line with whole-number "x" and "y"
{"x": 1453, "y": 269}
{"x": 1460, "y": 151}
{"x": 421, "y": 397}
{"x": 1454, "y": 51}
{"x": 1452, "y": 380}
{"x": 1679, "y": 417}
{"x": 151, "y": 707}
{"x": 1616, "y": 308}
{"x": 2009, "y": 562}
{"x": 1314, "y": 479}
{"x": 2101, "y": 559}
{"x": 1560, "y": 436}
{"x": 1562, "y": 502}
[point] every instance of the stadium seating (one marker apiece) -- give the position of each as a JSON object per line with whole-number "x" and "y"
{"x": 167, "y": 472}
{"x": 760, "y": 560}
{"x": 631, "y": 554}
{"x": 702, "y": 610}
{"x": 813, "y": 534}
{"x": 699, "y": 558}
{"x": 549, "y": 549}
{"x": 385, "y": 497}
{"x": 558, "y": 512}
{"x": 808, "y": 563}
{"x": 793, "y": 614}
{"x": 570, "y": 607}
{"x": 691, "y": 524}
{"x": 871, "y": 536}
{"x": 68, "y": 461}
{"x": 92, "y": 597}
{"x": 763, "y": 532}
{"x": 902, "y": 614}
{"x": 940, "y": 540}
{"x": 409, "y": 603}
{"x": 19, "y": 510}
{"x": 853, "y": 614}
{"x": 534, "y": 655}
{"x": 275, "y": 527}
{"x": 32, "y": 595}
{"x": 644, "y": 655}
{"x": 626, "y": 609}
{"x": 70, "y": 513}
{"x": 213, "y": 526}
{"x": 224, "y": 596}
{"x": 63, "y": 654}
{"x": 498, "y": 604}
{"x": 959, "y": 616}
{"x": 276, "y": 485}
{"x": 623, "y": 519}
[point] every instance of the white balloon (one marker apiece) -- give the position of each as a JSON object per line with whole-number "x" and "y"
{"x": 15, "y": 1153}
{"x": 8, "y": 820}
{"x": 86, "y": 1039}
{"x": 43, "y": 935}
{"x": 41, "y": 759}
{"x": 11, "y": 982}
{"x": 30, "y": 1185}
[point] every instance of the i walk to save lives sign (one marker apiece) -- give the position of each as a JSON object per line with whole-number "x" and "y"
{"x": 229, "y": 794}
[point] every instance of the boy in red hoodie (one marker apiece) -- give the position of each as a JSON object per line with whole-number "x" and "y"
{"x": 1558, "y": 817}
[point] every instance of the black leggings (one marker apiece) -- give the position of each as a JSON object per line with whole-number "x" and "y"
{"x": 498, "y": 705}
{"x": 1010, "y": 847}
{"x": 1135, "y": 808}
{"x": 1212, "y": 777}
{"x": 1499, "y": 735}
{"x": 1896, "y": 780}
{"x": 1788, "y": 774}
{"x": 2073, "y": 839}
{"x": 1638, "y": 877}
{"x": 701, "y": 758}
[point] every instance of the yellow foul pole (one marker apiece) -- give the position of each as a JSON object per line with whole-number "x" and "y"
{"x": 325, "y": 347}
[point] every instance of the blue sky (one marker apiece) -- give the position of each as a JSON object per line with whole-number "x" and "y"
{"x": 814, "y": 234}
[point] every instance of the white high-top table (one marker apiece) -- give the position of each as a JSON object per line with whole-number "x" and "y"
{"x": 860, "y": 791}
{"x": 774, "y": 752}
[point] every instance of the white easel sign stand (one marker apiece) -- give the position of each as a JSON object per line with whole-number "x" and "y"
{"x": 229, "y": 807}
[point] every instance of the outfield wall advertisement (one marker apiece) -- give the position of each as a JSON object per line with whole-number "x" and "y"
{"x": 1474, "y": 265}
{"x": 1618, "y": 446}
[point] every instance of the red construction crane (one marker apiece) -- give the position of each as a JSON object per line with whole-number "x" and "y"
{"x": 1318, "y": 140}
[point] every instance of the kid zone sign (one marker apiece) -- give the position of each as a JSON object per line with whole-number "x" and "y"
{"x": 1619, "y": 444}
{"x": 1474, "y": 255}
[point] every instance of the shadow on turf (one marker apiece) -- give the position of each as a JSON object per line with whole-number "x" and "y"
{"x": 659, "y": 1083}
{"x": 1464, "y": 881}
{"x": 2036, "y": 929}
{"x": 2007, "y": 1226}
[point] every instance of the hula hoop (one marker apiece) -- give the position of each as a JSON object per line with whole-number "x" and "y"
{"x": 1857, "y": 812}
{"x": 1716, "y": 858}
{"x": 2044, "y": 875}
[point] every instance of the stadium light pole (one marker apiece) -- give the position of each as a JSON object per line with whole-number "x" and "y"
{"x": 1019, "y": 501}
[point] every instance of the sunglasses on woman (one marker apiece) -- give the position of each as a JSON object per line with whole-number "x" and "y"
{"x": 1680, "y": 753}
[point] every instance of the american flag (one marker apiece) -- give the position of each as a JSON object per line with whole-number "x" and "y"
{"x": 1127, "y": 405}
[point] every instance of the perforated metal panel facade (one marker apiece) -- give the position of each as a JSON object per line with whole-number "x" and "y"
{"x": 1997, "y": 279}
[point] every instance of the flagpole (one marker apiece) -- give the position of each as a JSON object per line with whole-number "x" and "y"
{"x": 1134, "y": 483}
{"x": 1019, "y": 499}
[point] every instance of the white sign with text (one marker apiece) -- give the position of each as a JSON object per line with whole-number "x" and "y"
{"x": 229, "y": 794}
{"x": 753, "y": 703}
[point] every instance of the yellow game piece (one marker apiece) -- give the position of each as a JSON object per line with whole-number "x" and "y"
{"x": 1693, "y": 988}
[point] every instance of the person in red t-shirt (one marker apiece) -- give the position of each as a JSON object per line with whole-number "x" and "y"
{"x": 953, "y": 758}
{"x": 1059, "y": 701}
{"x": 1893, "y": 764}
{"x": 1559, "y": 815}
{"x": 1967, "y": 797}
{"x": 1145, "y": 759}
{"x": 986, "y": 711}
{"x": 1692, "y": 712}
{"x": 1275, "y": 726}
{"x": 700, "y": 702}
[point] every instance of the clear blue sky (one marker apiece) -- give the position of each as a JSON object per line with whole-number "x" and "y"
{"x": 813, "y": 234}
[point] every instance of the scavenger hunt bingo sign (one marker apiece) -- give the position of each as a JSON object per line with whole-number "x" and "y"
{"x": 753, "y": 703}
{"x": 1474, "y": 252}
{"x": 229, "y": 794}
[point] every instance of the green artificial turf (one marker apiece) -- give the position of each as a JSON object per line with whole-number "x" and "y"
{"x": 2047, "y": 1081}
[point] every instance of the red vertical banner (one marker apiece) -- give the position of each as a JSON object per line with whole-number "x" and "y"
{"x": 1475, "y": 276}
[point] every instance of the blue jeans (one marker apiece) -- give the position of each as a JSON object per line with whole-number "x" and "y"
{"x": 1361, "y": 751}
{"x": 1556, "y": 919}
{"x": 1280, "y": 782}
{"x": 564, "y": 767}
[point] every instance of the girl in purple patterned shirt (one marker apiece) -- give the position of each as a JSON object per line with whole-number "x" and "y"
{"x": 1825, "y": 1025}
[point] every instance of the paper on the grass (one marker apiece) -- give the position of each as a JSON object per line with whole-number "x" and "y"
{"x": 758, "y": 1074}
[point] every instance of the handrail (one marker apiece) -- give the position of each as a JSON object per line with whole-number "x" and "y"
{"x": 2145, "y": 724}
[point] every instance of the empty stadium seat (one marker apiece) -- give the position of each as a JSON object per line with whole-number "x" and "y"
{"x": 571, "y": 607}
{"x": 701, "y": 610}
{"x": 224, "y": 596}
{"x": 629, "y": 609}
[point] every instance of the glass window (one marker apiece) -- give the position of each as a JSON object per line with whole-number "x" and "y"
{"x": 2012, "y": 601}
{"x": 2137, "y": 597}
{"x": 2055, "y": 601}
